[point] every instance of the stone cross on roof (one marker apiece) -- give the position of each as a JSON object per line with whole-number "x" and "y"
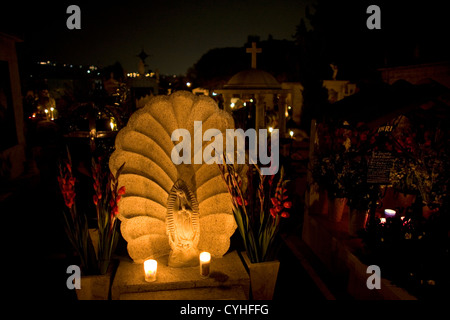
{"x": 253, "y": 50}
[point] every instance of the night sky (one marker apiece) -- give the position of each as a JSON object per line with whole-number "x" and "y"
{"x": 175, "y": 34}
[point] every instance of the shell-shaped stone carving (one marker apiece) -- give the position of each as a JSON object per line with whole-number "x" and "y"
{"x": 183, "y": 227}
{"x": 145, "y": 146}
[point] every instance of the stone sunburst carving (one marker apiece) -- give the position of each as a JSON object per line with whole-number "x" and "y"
{"x": 150, "y": 176}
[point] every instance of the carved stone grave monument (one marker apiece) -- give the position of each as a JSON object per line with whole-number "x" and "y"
{"x": 172, "y": 212}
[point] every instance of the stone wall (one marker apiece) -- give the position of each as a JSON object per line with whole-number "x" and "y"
{"x": 439, "y": 71}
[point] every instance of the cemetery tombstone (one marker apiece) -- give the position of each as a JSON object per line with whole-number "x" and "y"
{"x": 159, "y": 213}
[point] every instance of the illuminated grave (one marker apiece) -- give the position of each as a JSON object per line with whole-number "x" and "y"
{"x": 227, "y": 280}
{"x": 172, "y": 212}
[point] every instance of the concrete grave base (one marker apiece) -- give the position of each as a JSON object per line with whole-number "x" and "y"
{"x": 228, "y": 280}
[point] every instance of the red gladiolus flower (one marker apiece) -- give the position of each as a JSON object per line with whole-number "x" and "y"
{"x": 69, "y": 203}
{"x": 285, "y": 215}
{"x": 287, "y": 204}
{"x": 272, "y": 212}
{"x": 239, "y": 201}
{"x": 121, "y": 191}
{"x": 274, "y": 201}
{"x": 95, "y": 198}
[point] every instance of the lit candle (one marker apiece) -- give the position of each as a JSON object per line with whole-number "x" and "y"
{"x": 150, "y": 267}
{"x": 389, "y": 213}
{"x": 205, "y": 262}
{"x": 383, "y": 220}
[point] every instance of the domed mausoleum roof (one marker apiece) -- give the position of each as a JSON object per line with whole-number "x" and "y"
{"x": 252, "y": 79}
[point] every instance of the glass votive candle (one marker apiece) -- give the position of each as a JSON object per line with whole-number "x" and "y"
{"x": 389, "y": 213}
{"x": 205, "y": 263}
{"x": 150, "y": 267}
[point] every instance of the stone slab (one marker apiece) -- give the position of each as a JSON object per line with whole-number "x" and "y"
{"x": 228, "y": 281}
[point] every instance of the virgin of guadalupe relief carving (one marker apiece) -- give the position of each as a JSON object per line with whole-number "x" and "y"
{"x": 183, "y": 229}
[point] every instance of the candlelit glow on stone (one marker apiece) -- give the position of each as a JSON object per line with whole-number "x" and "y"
{"x": 205, "y": 262}
{"x": 150, "y": 268}
{"x": 389, "y": 213}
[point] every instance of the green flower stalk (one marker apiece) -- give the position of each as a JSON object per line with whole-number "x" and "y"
{"x": 257, "y": 212}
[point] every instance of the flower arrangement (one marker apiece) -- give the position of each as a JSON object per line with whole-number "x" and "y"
{"x": 258, "y": 212}
{"x": 106, "y": 198}
{"x": 360, "y": 194}
{"x": 328, "y": 162}
{"x": 75, "y": 224}
{"x": 340, "y": 162}
{"x": 414, "y": 250}
{"x": 422, "y": 161}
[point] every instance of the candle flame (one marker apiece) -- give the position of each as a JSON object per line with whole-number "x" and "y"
{"x": 205, "y": 257}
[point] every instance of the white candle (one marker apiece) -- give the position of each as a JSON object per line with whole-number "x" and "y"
{"x": 150, "y": 267}
{"x": 205, "y": 262}
{"x": 389, "y": 213}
